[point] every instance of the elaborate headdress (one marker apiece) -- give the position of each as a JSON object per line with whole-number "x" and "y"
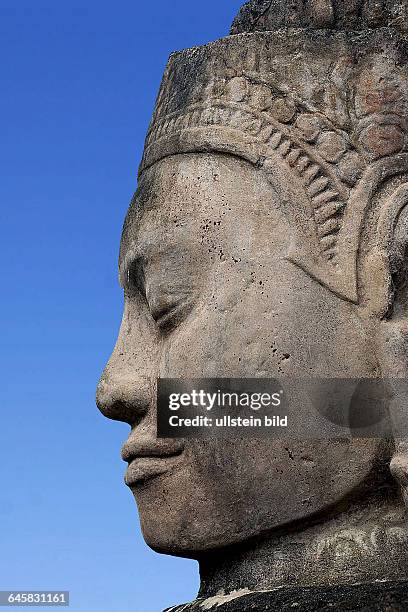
{"x": 323, "y": 113}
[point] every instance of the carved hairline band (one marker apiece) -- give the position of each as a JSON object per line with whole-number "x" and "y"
{"x": 325, "y": 231}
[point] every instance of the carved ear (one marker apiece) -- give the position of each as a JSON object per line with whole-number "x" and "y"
{"x": 386, "y": 274}
{"x": 385, "y": 258}
{"x": 392, "y": 346}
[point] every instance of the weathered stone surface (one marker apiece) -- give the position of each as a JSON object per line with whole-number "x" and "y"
{"x": 328, "y": 107}
{"x": 375, "y": 597}
{"x": 267, "y": 239}
{"x": 269, "y": 15}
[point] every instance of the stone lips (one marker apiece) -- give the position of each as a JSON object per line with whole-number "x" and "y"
{"x": 327, "y": 113}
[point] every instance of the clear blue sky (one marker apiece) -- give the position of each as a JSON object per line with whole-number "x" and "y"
{"x": 79, "y": 79}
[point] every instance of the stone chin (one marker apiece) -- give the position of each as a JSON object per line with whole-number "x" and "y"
{"x": 184, "y": 514}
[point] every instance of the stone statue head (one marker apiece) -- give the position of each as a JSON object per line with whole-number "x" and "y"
{"x": 268, "y": 238}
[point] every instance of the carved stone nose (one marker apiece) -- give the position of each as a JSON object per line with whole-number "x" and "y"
{"x": 122, "y": 398}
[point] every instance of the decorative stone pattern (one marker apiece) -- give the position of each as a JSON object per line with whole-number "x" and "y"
{"x": 259, "y": 15}
{"x": 280, "y": 123}
{"x": 328, "y": 137}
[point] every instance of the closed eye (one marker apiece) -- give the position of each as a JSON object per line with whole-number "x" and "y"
{"x": 169, "y": 315}
{"x": 169, "y": 299}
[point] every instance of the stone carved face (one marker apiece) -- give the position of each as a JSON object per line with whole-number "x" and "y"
{"x": 209, "y": 292}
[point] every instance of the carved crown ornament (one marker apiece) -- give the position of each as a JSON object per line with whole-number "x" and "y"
{"x": 330, "y": 115}
{"x": 269, "y": 15}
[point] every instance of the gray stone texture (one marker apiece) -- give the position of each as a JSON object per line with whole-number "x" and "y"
{"x": 376, "y": 597}
{"x": 269, "y": 15}
{"x": 268, "y": 238}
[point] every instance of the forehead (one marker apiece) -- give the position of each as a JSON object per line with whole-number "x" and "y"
{"x": 180, "y": 184}
{"x": 200, "y": 204}
{"x": 185, "y": 192}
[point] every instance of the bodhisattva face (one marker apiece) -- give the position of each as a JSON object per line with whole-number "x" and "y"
{"x": 209, "y": 293}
